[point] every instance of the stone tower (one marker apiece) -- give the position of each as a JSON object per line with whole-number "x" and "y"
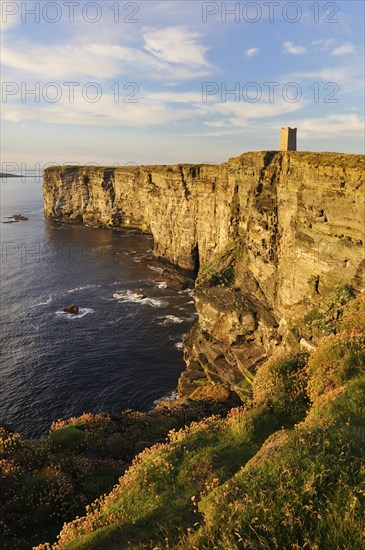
{"x": 288, "y": 139}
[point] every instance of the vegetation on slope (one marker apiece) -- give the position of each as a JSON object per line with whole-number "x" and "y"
{"x": 284, "y": 471}
{"x": 45, "y": 482}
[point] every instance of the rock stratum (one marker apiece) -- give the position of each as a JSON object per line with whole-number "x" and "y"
{"x": 269, "y": 235}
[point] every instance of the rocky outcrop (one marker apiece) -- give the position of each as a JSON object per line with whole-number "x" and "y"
{"x": 16, "y": 218}
{"x": 72, "y": 308}
{"x": 269, "y": 234}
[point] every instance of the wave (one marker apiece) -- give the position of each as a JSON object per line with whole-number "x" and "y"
{"x": 157, "y": 269}
{"x": 161, "y": 284}
{"x": 87, "y": 287}
{"x": 171, "y": 396}
{"x": 82, "y": 312}
{"x": 170, "y": 319}
{"x": 189, "y": 291}
{"x": 48, "y": 301}
{"x": 193, "y": 316}
{"x": 139, "y": 298}
{"x": 180, "y": 345}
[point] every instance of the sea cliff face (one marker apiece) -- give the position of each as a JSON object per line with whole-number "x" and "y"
{"x": 270, "y": 235}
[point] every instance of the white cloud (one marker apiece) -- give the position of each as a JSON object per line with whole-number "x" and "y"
{"x": 289, "y": 47}
{"x": 105, "y": 112}
{"x": 344, "y": 49}
{"x": 170, "y": 54}
{"x": 332, "y": 126}
{"x": 335, "y": 74}
{"x": 60, "y": 61}
{"x": 153, "y": 109}
{"x": 251, "y": 53}
{"x": 244, "y": 113}
{"x": 176, "y": 97}
{"x": 9, "y": 17}
{"x": 324, "y": 44}
{"x": 175, "y": 45}
{"x": 329, "y": 45}
{"x": 350, "y": 78}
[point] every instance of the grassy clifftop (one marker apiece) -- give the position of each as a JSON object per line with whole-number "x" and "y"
{"x": 285, "y": 470}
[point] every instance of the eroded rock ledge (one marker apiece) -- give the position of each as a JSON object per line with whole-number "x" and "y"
{"x": 269, "y": 234}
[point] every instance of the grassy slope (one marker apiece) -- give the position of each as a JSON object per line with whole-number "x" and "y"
{"x": 45, "y": 482}
{"x": 286, "y": 471}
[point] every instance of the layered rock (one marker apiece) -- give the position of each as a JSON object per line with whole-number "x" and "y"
{"x": 269, "y": 235}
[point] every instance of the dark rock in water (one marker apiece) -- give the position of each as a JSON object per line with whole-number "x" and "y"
{"x": 16, "y": 218}
{"x": 6, "y": 175}
{"x": 153, "y": 262}
{"x": 72, "y": 308}
{"x": 174, "y": 280}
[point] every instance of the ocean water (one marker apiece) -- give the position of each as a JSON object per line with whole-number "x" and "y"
{"x": 122, "y": 351}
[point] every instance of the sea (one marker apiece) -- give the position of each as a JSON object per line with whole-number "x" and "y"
{"x": 124, "y": 348}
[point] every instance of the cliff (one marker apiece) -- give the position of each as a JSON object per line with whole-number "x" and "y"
{"x": 270, "y": 235}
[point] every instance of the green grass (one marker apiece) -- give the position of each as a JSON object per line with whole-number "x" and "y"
{"x": 45, "y": 482}
{"x": 285, "y": 471}
{"x": 308, "y": 492}
{"x": 68, "y": 438}
{"x": 326, "y": 317}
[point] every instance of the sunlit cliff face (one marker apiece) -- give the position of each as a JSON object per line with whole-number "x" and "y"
{"x": 271, "y": 233}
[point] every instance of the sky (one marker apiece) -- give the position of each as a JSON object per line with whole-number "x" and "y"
{"x": 168, "y": 81}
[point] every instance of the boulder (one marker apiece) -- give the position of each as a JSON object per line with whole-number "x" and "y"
{"x": 16, "y": 218}
{"x": 72, "y": 308}
{"x": 174, "y": 280}
{"x": 19, "y": 218}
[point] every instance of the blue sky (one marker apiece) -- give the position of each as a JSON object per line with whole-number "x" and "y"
{"x": 296, "y": 64}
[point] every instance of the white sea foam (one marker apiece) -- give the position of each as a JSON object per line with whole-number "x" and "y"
{"x": 161, "y": 284}
{"x": 168, "y": 397}
{"x": 192, "y": 317}
{"x": 169, "y": 320}
{"x": 48, "y": 301}
{"x": 117, "y": 320}
{"x": 157, "y": 269}
{"x": 189, "y": 291}
{"x": 135, "y": 298}
{"x": 82, "y": 312}
{"x": 180, "y": 344}
{"x": 87, "y": 287}
{"x": 128, "y": 296}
